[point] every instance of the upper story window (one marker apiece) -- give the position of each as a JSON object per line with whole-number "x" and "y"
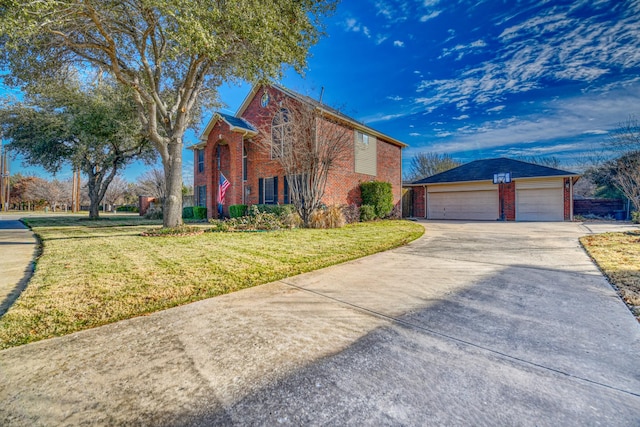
{"x": 365, "y": 154}
{"x": 200, "y": 161}
{"x": 280, "y": 133}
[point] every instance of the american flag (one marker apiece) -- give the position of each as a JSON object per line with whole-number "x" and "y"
{"x": 222, "y": 188}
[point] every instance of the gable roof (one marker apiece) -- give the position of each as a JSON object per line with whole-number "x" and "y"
{"x": 236, "y": 124}
{"x": 323, "y": 108}
{"x": 483, "y": 170}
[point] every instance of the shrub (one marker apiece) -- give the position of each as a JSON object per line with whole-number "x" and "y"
{"x": 279, "y": 210}
{"x": 351, "y": 213}
{"x": 329, "y": 217}
{"x": 292, "y": 220}
{"x": 635, "y": 217}
{"x": 236, "y": 211}
{"x": 379, "y": 195}
{"x": 153, "y": 213}
{"x": 127, "y": 208}
{"x": 256, "y": 221}
{"x": 199, "y": 212}
{"x": 367, "y": 213}
{"x": 187, "y": 212}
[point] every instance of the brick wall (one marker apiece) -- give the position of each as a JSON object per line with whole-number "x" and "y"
{"x": 342, "y": 183}
{"x": 567, "y": 198}
{"x": 507, "y": 196}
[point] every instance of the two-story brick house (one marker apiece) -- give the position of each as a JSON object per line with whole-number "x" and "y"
{"x": 230, "y": 146}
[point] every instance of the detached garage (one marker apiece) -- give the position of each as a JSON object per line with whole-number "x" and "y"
{"x": 495, "y": 189}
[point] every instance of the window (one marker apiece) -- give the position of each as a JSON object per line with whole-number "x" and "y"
{"x": 365, "y": 154}
{"x": 200, "y": 161}
{"x": 268, "y": 191}
{"x": 244, "y": 163}
{"x": 280, "y": 133}
{"x": 202, "y": 196}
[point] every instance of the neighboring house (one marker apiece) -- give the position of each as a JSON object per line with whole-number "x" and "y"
{"x": 229, "y": 148}
{"x": 521, "y": 192}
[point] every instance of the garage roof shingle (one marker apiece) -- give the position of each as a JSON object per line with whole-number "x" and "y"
{"x": 483, "y": 170}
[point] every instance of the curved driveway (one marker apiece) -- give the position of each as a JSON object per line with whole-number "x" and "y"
{"x": 473, "y": 324}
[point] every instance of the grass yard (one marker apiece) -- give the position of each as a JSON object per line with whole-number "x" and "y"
{"x": 92, "y": 273}
{"x": 618, "y": 256}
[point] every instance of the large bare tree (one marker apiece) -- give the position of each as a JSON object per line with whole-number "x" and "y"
{"x": 424, "y": 165}
{"x": 623, "y": 171}
{"x": 308, "y": 143}
{"x": 171, "y": 53}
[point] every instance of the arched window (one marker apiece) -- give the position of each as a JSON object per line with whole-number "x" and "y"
{"x": 280, "y": 133}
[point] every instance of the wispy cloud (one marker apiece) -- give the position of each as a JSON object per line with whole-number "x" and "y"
{"x": 430, "y": 15}
{"x": 461, "y": 117}
{"x": 393, "y": 11}
{"x": 557, "y": 45}
{"x": 463, "y": 49}
{"x": 552, "y": 124}
{"x": 398, "y": 43}
{"x": 352, "y": 24}
{"x": 394, "y": 98}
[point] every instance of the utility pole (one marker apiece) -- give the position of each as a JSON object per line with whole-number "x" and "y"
{"x": 75, "y": 192}
{"x": 4, "y": 178}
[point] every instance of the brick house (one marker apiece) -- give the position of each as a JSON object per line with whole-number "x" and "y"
{"x": 493, "y": 189}
{"x": 229, "y": 146}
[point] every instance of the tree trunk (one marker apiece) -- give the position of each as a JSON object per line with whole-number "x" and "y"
{"x": 94, "y": 198}
{"x": 172, "y": 206}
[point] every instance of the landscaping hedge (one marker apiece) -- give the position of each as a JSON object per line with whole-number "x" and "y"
{"x": 379, "y": 195}
{"x": 236, "y": 211}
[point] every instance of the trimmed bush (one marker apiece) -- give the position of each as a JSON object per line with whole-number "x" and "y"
{"x": 367, "y": 213}
{"x": 379, "y": 195}
{"x": 199, "y": 212}
{"x": 236, "y": 211}
{"x": 278, "y": 210}
{"x": 127, "y": 208}
{"x": 187, "y": 212}
{"x": 635, "y": 217}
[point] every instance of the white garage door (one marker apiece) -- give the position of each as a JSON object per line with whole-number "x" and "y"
{"x": 470, "y": 205}
{"x": 540, "y": 201}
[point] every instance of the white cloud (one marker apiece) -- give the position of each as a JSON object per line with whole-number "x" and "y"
{"x": 461, "y": 117}
{"x": 352, "y": 24}
{"x": 430, "y": 3}
{"x": 393, "y": 11}
{"x": 394, "y": 98}
{"x": 555, "y": 45}
{"x": 431, "y": 15}
{"x": 414, "y": 134}
{"x": 463, "y": 49}
{"x": 553, "y": 124}
{"x": 496, "y": 109}
{"x": 398, "y": 43}
{"x": 380, "y": 38}
{"x": 383, "y": 117}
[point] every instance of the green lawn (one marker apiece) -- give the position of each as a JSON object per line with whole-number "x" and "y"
{"x": 92, "y": 273}
{"x": 618, "y": 256}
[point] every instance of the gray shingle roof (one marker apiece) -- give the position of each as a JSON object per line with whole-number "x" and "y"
{"x": 237, "y": 122}
{"x": 483, "y": 170}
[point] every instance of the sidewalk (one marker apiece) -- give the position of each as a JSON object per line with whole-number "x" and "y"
{"x": 18, "y": 248}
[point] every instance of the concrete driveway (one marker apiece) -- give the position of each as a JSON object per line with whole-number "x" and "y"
{"x": 474, "y": 324}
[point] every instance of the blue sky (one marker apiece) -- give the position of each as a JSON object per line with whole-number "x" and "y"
{"x": 475, "y": 79}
